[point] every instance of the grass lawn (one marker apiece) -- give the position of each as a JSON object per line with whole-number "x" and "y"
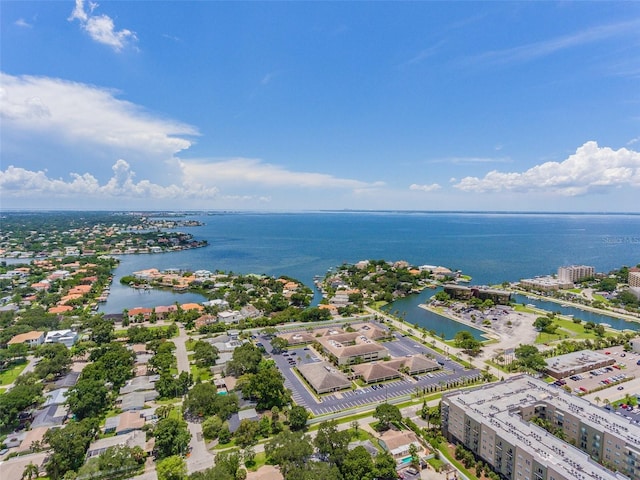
{"x": 259, "y": 460}
{"x": 600, "y": 298}
{"x": 436, "y": 463}
{"x": 568, "y": 329}
{"x": 202, "y": 373}
{"x": 444, "y": 450}
{"x": 9, "y": 375}
{"x": 2, "y": 390}
{"x": 167, "y": 401}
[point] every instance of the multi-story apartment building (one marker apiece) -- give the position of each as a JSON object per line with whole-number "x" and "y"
{"x": 496, "y": 422}
{"x": 575, "y": 273}
{"x": 634, "y": 277}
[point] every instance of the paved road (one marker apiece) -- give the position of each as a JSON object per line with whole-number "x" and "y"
{"x": 199, "y": 458}
{"x": 181, "y": 350}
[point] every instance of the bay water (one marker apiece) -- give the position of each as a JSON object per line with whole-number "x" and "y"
{"x": 490, "y": 247}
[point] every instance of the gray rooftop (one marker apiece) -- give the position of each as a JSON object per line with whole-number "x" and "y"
{"x": 498, "y": 404}
{"x": 576, "y": 360}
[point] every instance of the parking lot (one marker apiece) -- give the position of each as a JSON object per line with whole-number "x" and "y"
{"x": 612, "y": 378}
{"x": 372, "y": 394}
{"x": 609, "y": 385}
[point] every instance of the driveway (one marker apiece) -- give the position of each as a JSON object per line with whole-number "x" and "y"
{"x": 199, "y": 457}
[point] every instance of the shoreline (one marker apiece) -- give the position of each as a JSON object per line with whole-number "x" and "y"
{"x": 490, "y": 334}
{"x": 620, "y": 316}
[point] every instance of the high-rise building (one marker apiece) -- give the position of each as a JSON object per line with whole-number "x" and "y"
{"x": 634, "y": 277}
{"x": 575, "y": 273}
{"x": 496, "y": 422}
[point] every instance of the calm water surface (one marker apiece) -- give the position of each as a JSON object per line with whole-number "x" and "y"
{"x": 490, "y": 247}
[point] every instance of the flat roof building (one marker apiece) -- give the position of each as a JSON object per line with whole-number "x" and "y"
{"x": 545, "y": 284}
{"x": 573, "y": 363}
{"x": 495, "y": 422}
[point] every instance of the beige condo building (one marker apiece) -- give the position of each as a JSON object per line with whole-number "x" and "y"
{"x": 495, "y": 423}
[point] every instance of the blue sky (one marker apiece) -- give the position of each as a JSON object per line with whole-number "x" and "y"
{"x": 530, "y": 106}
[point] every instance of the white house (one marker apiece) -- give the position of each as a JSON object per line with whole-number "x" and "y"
{"x": 67, "y": 337}
{"x": 229, "y": 316}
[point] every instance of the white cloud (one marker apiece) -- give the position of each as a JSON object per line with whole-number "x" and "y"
{"x": 67, "y": 110}
{"x": 101, "y": 27}
{"x": 424, "y": 54}
{"x": 18, "y": 182}
{"x": 544, "y": 48}
{"x": 425, "y": 188}
{"x": 471, "y": 160}
{"x": 268, "y": 78}
{"x": 633, "y": 140}
{"x": 253, "y": 171}
{"x": 21, "y": 22}
{"x": 590, "y": 169}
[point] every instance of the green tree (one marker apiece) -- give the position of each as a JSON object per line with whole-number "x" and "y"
{"x": 101, "y": 330}
{"x": 172, "y": 468}
{"x": 332, "y": 443}
{"x": 298, "y": 417}
{"x": 289, "y": 450}
{"x": 247, "y": 433}
{"x": 117, "y": 461}
{"x": 266, "y": 386}
{"x": 530, "y": 358}
{"x": 279, "y": 344}
{"x": 30, "y": 472}
{"x": 20, "y": 397}
{"x": 172, "y": 437}
{"x": 228, "y": 463}
{"x": 201, "y": 399}
{"x": 358, "y": 465}
{"x": 246, "y": 359}
{"x": 55, "y": 359}
{"x": 387, "y": 413}
{"x": 385, "y": 466}
{"x": 465, "y": 340}
{"x": 211, "y": 427}
{"x": 69, "y": 445}
{"x": 545, "y": 324}
{"x": 205, "y": 354}
{"x": 88, "y": 398}
{"x": 442, "y": 296}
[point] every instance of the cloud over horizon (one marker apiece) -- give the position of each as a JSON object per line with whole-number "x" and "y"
{"x": 18, "y": 182}
{"x": 255, "y": 171}
{"x": 590, "y": 169}
{"x": 425, "y": 188}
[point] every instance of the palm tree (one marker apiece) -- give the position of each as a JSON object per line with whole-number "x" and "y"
{"x": 355, "y": 426}
{"x": 30, "y": 472}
